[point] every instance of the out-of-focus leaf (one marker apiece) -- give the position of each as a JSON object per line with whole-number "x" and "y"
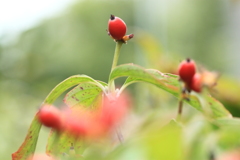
{"x": 154, "y": 142}
{"x": 86, "y": 95}
{"x": 29, "y": 145}
{"x": 228, "y": 133}
{"x": 228, "y": 138}
{"x": 167, "y": 82}
{"x": 228, "y": 91}
{"x": 65, "y": 145}
{"x": 217, "y": 109}
{"x": 228, "y": 122}
{"x": 200, "y": 139}
{"x": 165, "y": 143}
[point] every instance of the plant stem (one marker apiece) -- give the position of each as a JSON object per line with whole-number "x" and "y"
{"x": 114, "y": 64}
{"x": 116, "y": 54}
{"x": 180, "y": 106}
{"x": 119, "y": 135}
{"x": 111, "y": 84}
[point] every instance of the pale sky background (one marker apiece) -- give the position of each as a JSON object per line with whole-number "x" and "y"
{"x": 19, "y": 15}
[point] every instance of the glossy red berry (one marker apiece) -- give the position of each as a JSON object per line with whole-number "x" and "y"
{"x": 196, "y": 84}
{"x": 50, "y": 116}
{"x": 116, "y": 27}
{"x": 186, "y": 70}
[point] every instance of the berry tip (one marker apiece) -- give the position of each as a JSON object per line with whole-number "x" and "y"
{"x": 112, "y": 17}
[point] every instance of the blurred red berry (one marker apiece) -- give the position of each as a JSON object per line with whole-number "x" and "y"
{"x": 116, "y": 27}
{"x": 40, "y": 157}
{"x": 51, "y": 117}
{"x": 186, "y": 70}
{"x": 96, "y": 124}
{"x": 196, "y": 84}
{"x": 77, "y": 125}
{"x": 231, "y": 155}
{"x": 114, "y": 109}
{"x": 82, "y": 123}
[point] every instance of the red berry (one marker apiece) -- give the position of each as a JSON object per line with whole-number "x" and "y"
{"x": 50, "y": 117}
{"x": 196, "y": 84}
{"x": 113, "y": 111}
{"x": 77, "y": 123}
{"x": 116, "y": 27}
{"x": 84, "y": 124}
{"x": 186, "y": 70}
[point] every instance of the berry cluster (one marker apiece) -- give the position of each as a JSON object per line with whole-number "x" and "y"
{"x": 79, "y": 122}
{"x": 187, "y": 73}
{"x": 117, "y": 29}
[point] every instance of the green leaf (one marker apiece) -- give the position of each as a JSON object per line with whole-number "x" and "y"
{"x": 162, "y": 142}
{"x": 201, "y": 139}
{"x": 217, "y": 108}
{"x": 29, "y": 145}
{"x": 153, "y": 143}
{"x": 228, "y": 133}
{"x": 65, "y": 144}
{"x": 167, "y": 82}
{"x": 68, "y": 83}
{"x": 194, "y": 102}
{"x": 228, "y": 122}
{"x": 139, "y": 74}
{"x": 86, "y": 95}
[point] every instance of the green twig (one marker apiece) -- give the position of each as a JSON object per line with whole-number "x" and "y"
{"x": 114, "y": 64}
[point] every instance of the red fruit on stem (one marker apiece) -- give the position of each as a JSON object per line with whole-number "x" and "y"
{"x": 116, "y": 27}
{"x": 186, "y": 70}
{"x": 50, "y": 116}
{"x": 196, "y": 84}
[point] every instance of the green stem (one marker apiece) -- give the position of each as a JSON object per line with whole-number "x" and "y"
{"x": 114, "y": 64}
{"x": 116, "y": 54}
